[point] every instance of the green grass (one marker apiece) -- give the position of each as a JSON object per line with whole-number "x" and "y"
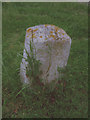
{"x": 69, "y": 99}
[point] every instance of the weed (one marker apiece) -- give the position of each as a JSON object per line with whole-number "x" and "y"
{"x": 33, "y": 69}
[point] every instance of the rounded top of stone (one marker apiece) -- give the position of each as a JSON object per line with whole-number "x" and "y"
{"x": 46, "y": 32}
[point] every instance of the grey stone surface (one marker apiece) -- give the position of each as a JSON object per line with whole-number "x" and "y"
{"x": 52, "y": 49}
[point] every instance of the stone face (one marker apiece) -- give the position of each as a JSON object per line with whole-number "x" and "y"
{"x": 52, "y": 49}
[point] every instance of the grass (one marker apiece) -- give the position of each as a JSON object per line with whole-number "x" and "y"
{"x": 33, "y": 68}
{"x": 69, "y": 99}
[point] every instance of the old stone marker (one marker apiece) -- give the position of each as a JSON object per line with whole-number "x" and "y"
{"x": 52, "y": 47}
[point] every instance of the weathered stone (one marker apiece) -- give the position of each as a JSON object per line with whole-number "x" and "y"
{"x": 52, "y": 49}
